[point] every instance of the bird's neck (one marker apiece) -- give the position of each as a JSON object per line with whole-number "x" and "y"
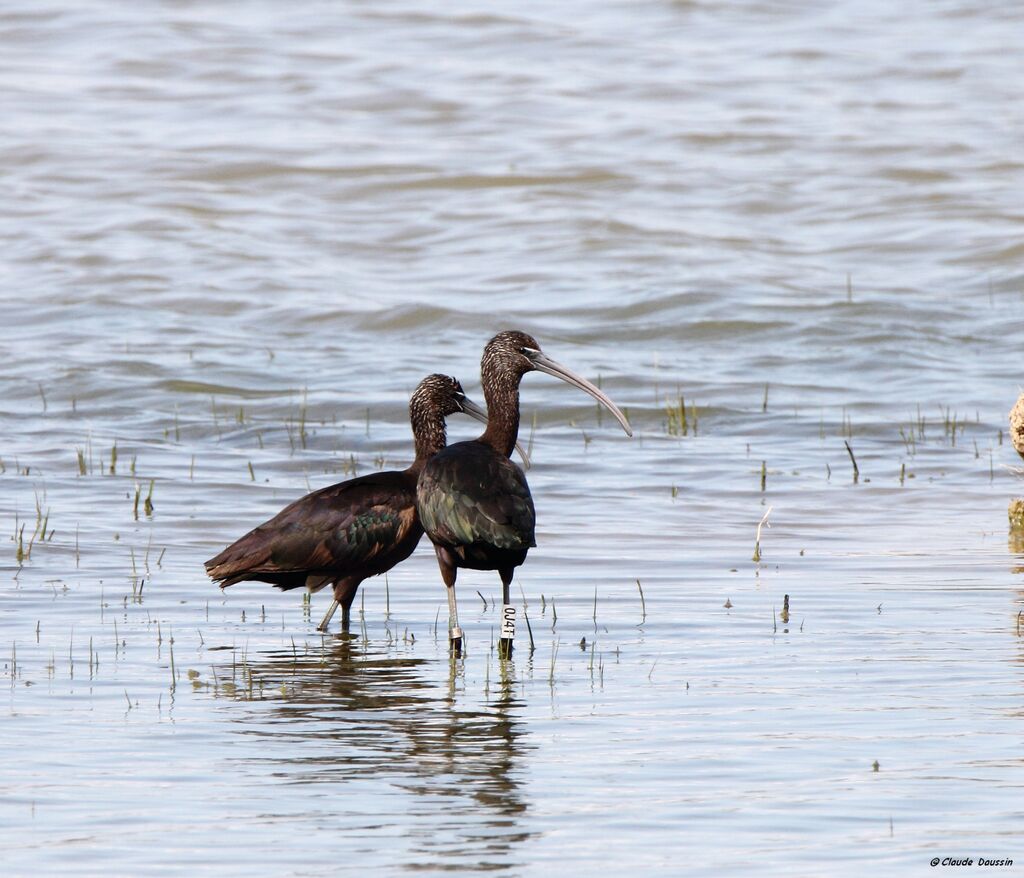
{"x": 430, "y": 437}
{"x": 502, "y": 396}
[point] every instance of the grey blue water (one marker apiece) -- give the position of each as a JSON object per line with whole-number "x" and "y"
{"x": 234, "y": 238}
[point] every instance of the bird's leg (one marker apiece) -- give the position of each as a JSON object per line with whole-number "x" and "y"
{"x": 346, "y": 606}
{"x": 344, "y": 593}
{"x": 448, "y": 574}
{"x": 508, "y": 615}
{"x": 454, "y": 631}
{"x": 326, "y": 620}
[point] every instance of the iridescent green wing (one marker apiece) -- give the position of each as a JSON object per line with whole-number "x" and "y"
{"x": 469, "y": 494}
{"x": 341, "y": 528}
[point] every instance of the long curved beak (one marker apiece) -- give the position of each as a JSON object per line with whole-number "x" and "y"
{"x": 478, "y": 414}
{"x": 543, "y": 363}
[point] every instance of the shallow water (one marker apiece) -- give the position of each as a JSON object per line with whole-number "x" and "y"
{"x": 235, "y": 237}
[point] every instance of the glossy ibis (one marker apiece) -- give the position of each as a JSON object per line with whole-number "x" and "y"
{"x": 473, "y": 501}
{"x": 345, "y": 533}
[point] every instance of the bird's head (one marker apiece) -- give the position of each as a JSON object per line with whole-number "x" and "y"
{"x": 511, "y": 354}
{"x": 441, "y": 394}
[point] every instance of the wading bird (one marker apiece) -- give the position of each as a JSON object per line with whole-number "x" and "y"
{"x": 473, "y": 501}
{"x": 345, "y": 533}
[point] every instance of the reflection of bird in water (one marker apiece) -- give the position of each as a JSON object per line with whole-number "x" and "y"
{"x": 339, "y": 712}
{"x": 348, "y": 532}
{"x": 473, "y": 501}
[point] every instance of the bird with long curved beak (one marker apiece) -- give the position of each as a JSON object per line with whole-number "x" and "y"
{"x": 473, "y": 502}
{"x": 345, "y": 533}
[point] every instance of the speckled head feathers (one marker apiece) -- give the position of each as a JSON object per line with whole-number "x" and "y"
{"x": 507, "y": 353}
{"x": 438, "y": 392}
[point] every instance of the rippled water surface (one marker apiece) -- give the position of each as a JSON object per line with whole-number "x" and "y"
{"x": 236, "y": 235}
